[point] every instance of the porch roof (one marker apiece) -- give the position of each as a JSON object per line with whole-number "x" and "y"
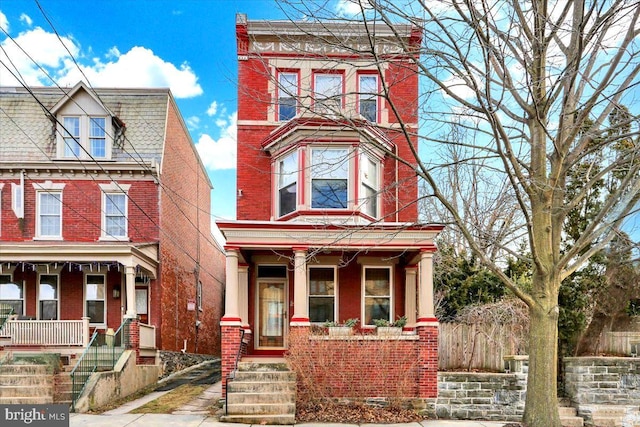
{"x": 380, "y": 237}
{"x": 145, "y": 255}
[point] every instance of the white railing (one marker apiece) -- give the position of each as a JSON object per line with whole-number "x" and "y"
{"x": 47, "y": 332}
{"x": 147, "y": 336}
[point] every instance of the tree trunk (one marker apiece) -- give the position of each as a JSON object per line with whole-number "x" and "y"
{"x": 588, "y": 344}
{"x": 541, "y": 406}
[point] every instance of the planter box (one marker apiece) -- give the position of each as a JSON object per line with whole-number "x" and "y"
{"x": 340, "y": 330}
{"x": 387, "y": 331}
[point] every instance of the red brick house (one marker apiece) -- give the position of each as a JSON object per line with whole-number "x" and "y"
{"x": 327, "y": 218}
{"x": 104, "y": 216}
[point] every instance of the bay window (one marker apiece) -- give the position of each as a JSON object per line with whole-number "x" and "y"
{"x": 368, "y": 186}
{"x": 377, "y": 294}
{"x": 329, "y": 178}
{"x": 368, "y": 96}
{"x": 287, "y": 184}
{"x": 322, "y": 294}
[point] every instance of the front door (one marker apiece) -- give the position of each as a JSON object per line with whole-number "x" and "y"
{"x": 272, "y": 315}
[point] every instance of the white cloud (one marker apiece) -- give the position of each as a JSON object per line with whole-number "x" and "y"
{"x": 213, "y": 109}
{"x": 114, "y": 69}
{"x": 193, "y": 122}
{"x": 4, "y": 23}
{"x": 26, "y": 19}
{"x": 351, "y": 7}
{"x": 151, "y": 71}
{"x": 220, "y": 154}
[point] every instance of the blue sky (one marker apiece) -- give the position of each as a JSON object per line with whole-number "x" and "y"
{"x": 188, "y": 46}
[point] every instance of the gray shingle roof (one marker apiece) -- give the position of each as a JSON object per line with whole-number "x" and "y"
{"x": 28, "y": 134}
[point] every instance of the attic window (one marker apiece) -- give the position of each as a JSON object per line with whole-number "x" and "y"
{"x": 84, "y": 137}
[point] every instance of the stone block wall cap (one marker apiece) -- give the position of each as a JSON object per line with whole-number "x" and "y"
{"x": 516, "y": 357}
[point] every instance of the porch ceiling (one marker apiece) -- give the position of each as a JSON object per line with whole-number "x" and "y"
{"x": 144, "y": 255}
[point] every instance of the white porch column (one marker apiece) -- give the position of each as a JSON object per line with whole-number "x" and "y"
{"x": 130, "y": 286}
{"x": 243, "y": 293}
{"x": 300, "y": 308}
{"x": 425, "y": 307}
{"x": 410, "y": 294}
{"x": 231, "y": 312}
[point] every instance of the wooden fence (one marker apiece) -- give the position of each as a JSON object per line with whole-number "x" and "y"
{"x": 477, "y": 347}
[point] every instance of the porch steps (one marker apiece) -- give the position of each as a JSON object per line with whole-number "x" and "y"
{"x": 261, "y": 392}
{"x": 569, "y": 417}
{"x": 63, "y": 386}
{"x": 25, "y": 384}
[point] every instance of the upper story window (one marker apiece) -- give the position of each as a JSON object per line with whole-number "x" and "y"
{"x": 287, "y": 95}
{"x": 114, "y": 211}
{"x": 329, "y": 178}
{"x": 369, "y": 185}
{"x": 368, "y": 96}
{"x": 328, "y": 89}
{"x": 287, "y": 184}
{"x": 84, "y": 137}
{"x": 48, "y": 210}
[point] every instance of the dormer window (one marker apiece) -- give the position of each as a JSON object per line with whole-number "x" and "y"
{"x": 85, "y": 137}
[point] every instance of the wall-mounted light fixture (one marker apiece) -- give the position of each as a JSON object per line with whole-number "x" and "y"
{"x": 116, "y": 292}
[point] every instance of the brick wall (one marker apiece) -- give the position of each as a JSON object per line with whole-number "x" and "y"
{"x": 187, "y": 250}
{"x": 231, "y": 341}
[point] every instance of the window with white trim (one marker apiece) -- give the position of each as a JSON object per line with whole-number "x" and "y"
{"x": 94, "y": 296}
{"x": 368, "y": 185}
{"x": 329, "y": 178}
{"x": 322, "y": 294}
{"x": 287, "y": 95}
{"x": 328, "y": 89}
{"x": 288, "y": 184}
{"x": 368, "y": 96}
{"x": 48, "y": 288}
{"x": 377, "y": 285}
{"x": 12, "y": 293}
{"x": 49, "y": 214}
{"x": 85, "y": 137}
{"x": 115, "y": 215}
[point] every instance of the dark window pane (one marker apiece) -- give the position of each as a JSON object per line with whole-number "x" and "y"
{"x": 288, "y": 199}
{"x": 321, "y": 309}
{"x": 287, "y": 110}
{"x": 376, "y": 308}
{"x": 272, "y": 271}
{"x": 95, "y": 311}
{"x": 368, "y": 109}
{"x": 329, "y": 193}
{"x": 49, "y": 310}
{"x": 321, "y": 281}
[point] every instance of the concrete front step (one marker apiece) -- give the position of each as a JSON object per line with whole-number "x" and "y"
{"x": 265, "y": 376}
{"x": 260, "y": 387}
{"x": 11, "y": 391}
{"x": 260, "y": 419}
{"x": 25, "y": 400}
{"x": 263, "y": 366}
{"x": 25, "y": 380}
{"x": 23, "y": 369}
{"x": 261, "y": 408}
{"x": 260, "y": 398}
{"x": 572, "y": 421}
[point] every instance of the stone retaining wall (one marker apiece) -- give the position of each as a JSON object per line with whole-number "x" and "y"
{"x": 174, "y": 361}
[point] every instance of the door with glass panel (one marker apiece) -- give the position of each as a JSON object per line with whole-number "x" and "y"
{"x": 271, "y": 313}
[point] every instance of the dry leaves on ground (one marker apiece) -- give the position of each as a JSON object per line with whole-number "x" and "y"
{"x": 354, "y": 413}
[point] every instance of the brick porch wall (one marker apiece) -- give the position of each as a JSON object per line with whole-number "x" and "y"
{"x": 231, "y": 342}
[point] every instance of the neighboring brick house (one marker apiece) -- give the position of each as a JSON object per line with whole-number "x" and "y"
{"x": 327, "y": 217}
{"x": 105, "y": 216}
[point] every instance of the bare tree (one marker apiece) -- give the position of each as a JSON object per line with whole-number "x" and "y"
{"x": 532, "y": 83}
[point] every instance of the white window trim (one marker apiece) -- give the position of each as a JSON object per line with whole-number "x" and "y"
{"x": 48, "y": 187}
{"x": 24, "y": 293}
{"x": 17, "y": 199}
{"x": 38, "y": 314}
{"x": 391, "y": 297}
{"x": 84, "y": 140}
{"x": 336, "y": 304}
{"x": 362, "y": 183}
{"x": 278, "y": 169}
{"x": 114, "y": 188}
{"x": 84, "y": 298}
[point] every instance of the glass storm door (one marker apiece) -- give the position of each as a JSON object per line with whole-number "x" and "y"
{"x": 272, "y": 314}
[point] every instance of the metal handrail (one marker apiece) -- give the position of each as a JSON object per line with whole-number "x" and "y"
{"x": 232, "y": 373}
{"x": 6, "y": 311}
{"x": 102, "y": 352}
